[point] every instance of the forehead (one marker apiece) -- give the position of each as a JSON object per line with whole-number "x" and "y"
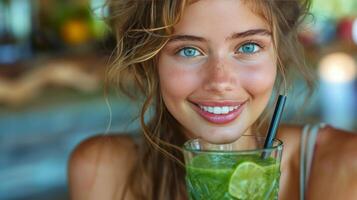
{"x": 221, "y": 16}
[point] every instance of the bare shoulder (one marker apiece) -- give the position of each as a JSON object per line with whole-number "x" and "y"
{"x": 338, "y": 148}
{"x": 334, "y": 169}
{"x": 332, "y": 139}
{"x": 98, "y": 167}
{"x": 329, "y": 139}
{"x": 330, "y": 142}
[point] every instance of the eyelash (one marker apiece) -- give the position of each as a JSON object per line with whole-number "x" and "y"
{"x": 261, "y": 47}
{"x": 181, "y": 48}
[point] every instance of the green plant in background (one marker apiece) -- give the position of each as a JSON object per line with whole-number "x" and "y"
{"x": 77, "y": 23}
{"x": 334, "y": 8}
{"x": 99, "y": 12}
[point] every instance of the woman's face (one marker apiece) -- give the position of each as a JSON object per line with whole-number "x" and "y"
{"x": 218, "y": 70}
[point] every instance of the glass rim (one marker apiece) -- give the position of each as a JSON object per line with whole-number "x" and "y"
{"x": 278, "y": 146}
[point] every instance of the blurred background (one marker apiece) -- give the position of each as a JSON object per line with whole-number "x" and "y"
{"x": 53, "y": 55}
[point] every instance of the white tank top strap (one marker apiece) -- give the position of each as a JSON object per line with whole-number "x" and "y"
{"x": 307, "y": 147}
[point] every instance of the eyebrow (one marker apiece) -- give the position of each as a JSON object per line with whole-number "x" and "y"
{"x": 187, "y": 38}
{"x": 249, "y": 33}
{"x": 233, "y": 36}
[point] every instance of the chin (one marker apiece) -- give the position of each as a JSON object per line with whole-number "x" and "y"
{"x": 222, "y": 137}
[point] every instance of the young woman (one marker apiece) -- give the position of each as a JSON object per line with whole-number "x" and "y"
{"x": 207, "y": 68}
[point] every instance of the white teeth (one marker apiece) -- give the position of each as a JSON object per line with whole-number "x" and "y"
{"x": 219, "y": 110}
{"x": 225, "y": 110}
{"x": 210, "y": 109}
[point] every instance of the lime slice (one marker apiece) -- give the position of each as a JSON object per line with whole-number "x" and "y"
{"x": 248, "y": 182}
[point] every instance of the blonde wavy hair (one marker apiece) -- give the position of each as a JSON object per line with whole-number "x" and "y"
{"x": 142, "y": 28}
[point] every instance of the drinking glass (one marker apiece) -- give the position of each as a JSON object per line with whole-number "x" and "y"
{"x": 235, "y": 171}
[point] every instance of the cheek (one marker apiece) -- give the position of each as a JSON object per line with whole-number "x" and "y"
{"x": 176, "y": 82}
{"x": 259, "y": 79}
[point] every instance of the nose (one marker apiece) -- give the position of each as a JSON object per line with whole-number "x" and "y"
{"x": 220, "y": 76}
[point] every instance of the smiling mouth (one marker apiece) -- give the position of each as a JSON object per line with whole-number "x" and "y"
{"x": 219, "y": 110}
{"x": 219, "y": 113}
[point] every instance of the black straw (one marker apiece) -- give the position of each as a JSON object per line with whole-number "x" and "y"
{"x": 274, "y": 124}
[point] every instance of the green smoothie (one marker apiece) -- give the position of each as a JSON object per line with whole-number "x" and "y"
{"x": 232, "y": 177}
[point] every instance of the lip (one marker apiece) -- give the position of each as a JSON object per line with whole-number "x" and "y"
{"x": 219, "y": 118}
{"x": 220, "y": 103}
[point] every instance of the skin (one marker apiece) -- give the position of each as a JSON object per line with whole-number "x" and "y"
{"x": 93, "y": 166}
{"x": 220, "y": 73}
{"x": 220, "y": 70}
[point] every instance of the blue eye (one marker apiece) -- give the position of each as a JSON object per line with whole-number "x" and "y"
{"x": 189, "y": 52}
{"x": 249, "y": 48}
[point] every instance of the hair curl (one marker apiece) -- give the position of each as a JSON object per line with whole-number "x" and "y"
{"x": 142, "y": 29}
